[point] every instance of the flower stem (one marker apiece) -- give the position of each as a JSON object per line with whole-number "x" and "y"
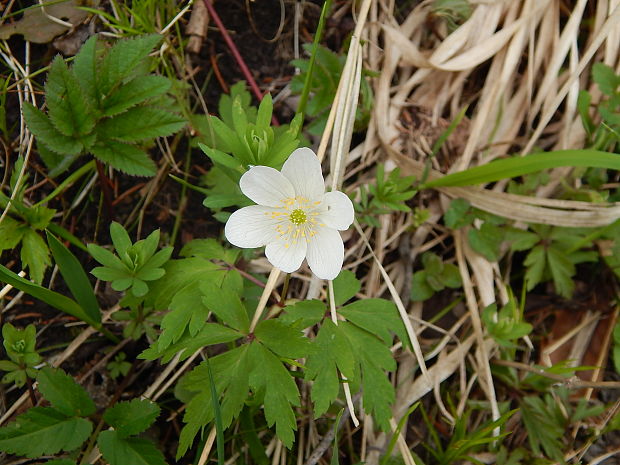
{"x": 271, "y": 284}
{"x": 287, "y": 279}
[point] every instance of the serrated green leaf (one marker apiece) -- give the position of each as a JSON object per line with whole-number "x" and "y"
{"x": 186, "y": 312}
{"x": 35, "y": 255}
{"x": 211, "y": 333}
{"x": 304, "y": 314}
{"x": 346, "y": 285}
{"x": 605, "y": 78}
{"x": 61, "y": 390}
{"x": 377, "y": 316}
{"x": 273, "y": 380}
{"x": 123, "y": 59}
{"x": 226, "y": 305}
{"x": 136, "y": 91}
{"x": 43, "y": 431}
{"x": 140, "y": 123}
{"x": 535, "y": 262}
{"x": 75, "y": 277}
{"x": 210, "y": 249}
{"x": 374, "y": 357}
{"x": 128, "y": 451}
{"x": 231, "y": 371}
{"x": 543, "y": 428}
{"x": 47, "y": 134}
{"x": 521, "y": 240}
{"x": 68, "y": 106}
{"x": 562, "y": 271}
{"x": 332, "y": 352}
{"x": 85, "y": 69}
{"x": 11, "y": 233}
{"x": 133, "y": 417}
{"x": 486, "y": 240}
{"x": 282, "y": 339}
{"x": 124, "y": 157}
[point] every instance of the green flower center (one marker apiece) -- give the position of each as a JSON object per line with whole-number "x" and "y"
{"x": 298, "y": 216}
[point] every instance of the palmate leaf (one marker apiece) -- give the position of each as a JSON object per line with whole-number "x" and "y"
{"x": 132, "y": 93}
{"x": 47, "y": 134}
{"x": 123, "y": 59}
{"x": 140, "y": 123}
{"x": 374, "y": 358}
{"x": 125, "y": 451}
{"x": 282, "y": 339}
{"x": 35, "y": 255}
{"x": 332, "y": 352}
{"x": 231, "y": 371}
{"x": 43, "y": 431}
{"x": 227, "y": 305}
{"x": 377, "y": 316}
{"x": 124, "y": 157}
{"x": 186, "y": 312}
{"x": 68, "y": 106}
{"x": 64, "y": 393}
{"x": 270, "y": 378}
{"x": 133, "y": 417}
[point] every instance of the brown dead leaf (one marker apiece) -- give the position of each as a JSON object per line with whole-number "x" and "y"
{"x": 37, "y": 26}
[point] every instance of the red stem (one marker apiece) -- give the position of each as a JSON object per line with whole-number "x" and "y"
{"x": 238, "y": 58}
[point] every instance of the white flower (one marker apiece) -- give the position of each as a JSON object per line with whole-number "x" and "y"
{"x": 294, "y": 218}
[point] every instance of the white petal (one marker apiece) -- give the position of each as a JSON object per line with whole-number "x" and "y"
{"x": 251, "y": 227}
{"x": 288, "y": 259}
{"x": 339, "y": 213}
{"x": 326, "y": 253}
{"x": 266, "y": 186}
{"x": 303, "y": 170}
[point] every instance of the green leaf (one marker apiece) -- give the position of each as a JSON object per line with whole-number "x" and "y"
{"x": 35, "y": 255}
{"x": 186, "y": 312}
{"x": 52, "y": 298}
{"x": 60, "y": 462}
{"x": 420, "y": 289}
{"x": 226, "y": 305}
{"x": 128, "y": 451}
{"x": 11, "y": 232}
{"x": 136, "y": 91}
{"x": 282, "y": 339}
{"x": 124, "y": 157}
{"x": 231, "y": 371}
{"x": 535, "y": 262}
{"x": 518, "y": 166}
{"x": 332, "y": 352}
{"x": 542, "y": 427}
{"x": 377, "y": 316}
{"x": 131, "y": 418}
{"x": 106, "y": 258}
{"x": 346, "y": 285}
{"x": 273, "y": 380}
{"x": 374, "y": 358}
{"x": 61, "y": 390}
{"x": 47, "y": 134}
{"x": 75, "y": 277}
{"x": 486, "y": 240}
{"x": 607, "y": 80}
{"x": 303, "y": 314}
{"x": 217, "y": 156}
{"x": 140, "y": 123}
{"x": 43, "y": 431}
{"x": 562, "y": 271}
{"x": 521, "y": 240}
{"x": 124, "y": 58}
{"x": 68, "y": 107}
{"x": 211, "y": 333}
{"x": 85, "y": 69}
{"x": 120, "y": 239}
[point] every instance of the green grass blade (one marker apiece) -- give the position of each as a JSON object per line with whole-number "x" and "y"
{"x": 217, "y": 413}
{"x": 518, "y": 166}
{"x": 335, "y": 460}
{"x": 54, "y": 299}
{"x": 303, "y": 100}
{"x": 75, "y": 277}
